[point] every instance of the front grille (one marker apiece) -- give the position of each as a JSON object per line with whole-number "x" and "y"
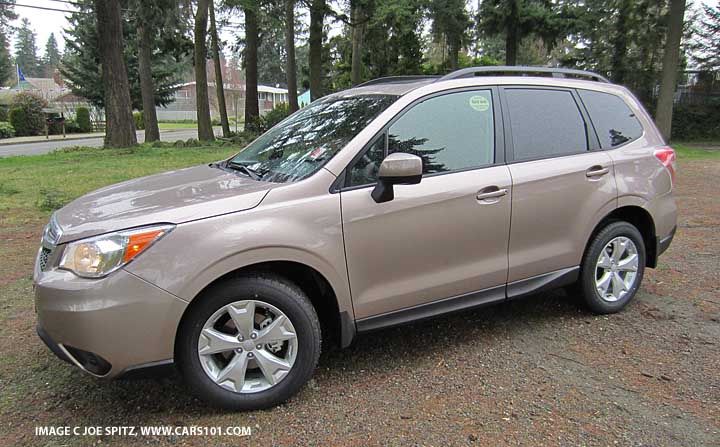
{"x": 43, "y": 258}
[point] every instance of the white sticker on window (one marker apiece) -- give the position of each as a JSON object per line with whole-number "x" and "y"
{"x": 479, "y": 103}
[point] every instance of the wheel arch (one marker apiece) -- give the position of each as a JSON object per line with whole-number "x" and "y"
{"x": 337, "y": 326}
{"x": 641, "y": 219}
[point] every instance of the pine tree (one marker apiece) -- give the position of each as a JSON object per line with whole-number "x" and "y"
{"x": 706, "y": 47}
{"x": 26, "y": 52}
{"x": 81, "y": 61}
{"x": 7, "y": 68}
{"x": 52, "y": 57}
{"x": 515, "y": 19}
{"x": 449, "y": 22}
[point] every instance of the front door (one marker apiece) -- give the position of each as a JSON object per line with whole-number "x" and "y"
{"x": 444, "y": 237}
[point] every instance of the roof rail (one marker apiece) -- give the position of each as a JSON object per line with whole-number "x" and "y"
{"x": 397, "y": 80}
{"x": 520, "y": 70}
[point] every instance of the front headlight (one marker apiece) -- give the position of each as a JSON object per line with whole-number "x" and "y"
{"x": 98, "y": 256}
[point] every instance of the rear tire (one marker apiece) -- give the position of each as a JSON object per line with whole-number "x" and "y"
{"x": 612, "y": 268}
{"x": 272, "y": 298}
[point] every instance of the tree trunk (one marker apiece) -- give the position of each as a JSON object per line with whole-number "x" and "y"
{"x": 663, "y": 116}
{"x": 119, "y": 127}
{"x": 290, "y": 49}
{"x": 512, "y": 38}
{"x": 147, "y": 85}
{"x": 219, "y": 86}
{"x": 620, "y": 43}
{"x": 252, "y": 108}
{"x": 454, "y": 44}
{"x": 317, "y": 16}
{"x": 357, "y": 41}
{"x": 205, "y": 130}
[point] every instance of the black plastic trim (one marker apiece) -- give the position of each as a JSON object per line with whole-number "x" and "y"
{"x": 162, "y": 368}
{"x": 50, "y": 343}
{"x": 432, "y": 309}
{"x": 546, "y": 281}
{"x": 664, "y": 243}
{"x": 347, "y": 330}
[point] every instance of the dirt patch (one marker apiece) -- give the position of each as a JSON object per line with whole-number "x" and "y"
{"x": 539, "y": 371}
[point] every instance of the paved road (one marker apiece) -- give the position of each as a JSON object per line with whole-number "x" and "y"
{"x": 42, "y": 147}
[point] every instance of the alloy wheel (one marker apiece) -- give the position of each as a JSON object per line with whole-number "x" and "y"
{"x": 248, "y": 346}
{"x": 616, "y": 269}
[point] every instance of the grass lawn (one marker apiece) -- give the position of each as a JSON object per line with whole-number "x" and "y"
{"x": 173, "y": 126}
{"x": 696, "y": 151}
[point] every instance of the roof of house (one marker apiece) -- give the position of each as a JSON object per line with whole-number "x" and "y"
{"x": 261, "y": 88}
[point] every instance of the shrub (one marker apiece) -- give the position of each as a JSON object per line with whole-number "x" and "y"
{"x": 26, "y": 114}
{"x": 265, "y": 122}
{"x": 277, "y": 114}
{"x": 4, "y": 112}
{"x": 139, "y": 118}
{"x": 696, "y": 122}
{"x": 82, "y": 117}
{"x": 72, "y": 126}
{"x": 6, "y": 130}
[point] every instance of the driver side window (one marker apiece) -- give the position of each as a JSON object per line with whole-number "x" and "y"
{"x": 365, "y": 169}
{"x": 449, "y": 132}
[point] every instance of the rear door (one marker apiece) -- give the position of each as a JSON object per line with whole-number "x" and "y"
{"x": 441, "y": 238}
{"x": 562, "y": 183}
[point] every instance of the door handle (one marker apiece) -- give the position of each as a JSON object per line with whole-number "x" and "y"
{"x": 596, "y": 171}
{"x": 497, "y": 193}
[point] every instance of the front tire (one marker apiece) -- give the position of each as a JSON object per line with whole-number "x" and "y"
{"x": 612, "y": 268}
{"x": 250, "y": 343}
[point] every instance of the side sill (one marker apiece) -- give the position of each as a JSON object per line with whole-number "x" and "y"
{"x": 540, "y": 283}
{"x": 432, "y": 309}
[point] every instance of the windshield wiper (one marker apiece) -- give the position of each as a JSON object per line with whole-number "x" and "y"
{"x": 244, "y": 169}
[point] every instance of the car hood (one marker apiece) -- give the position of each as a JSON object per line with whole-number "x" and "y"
{"x": 171, "y": 197}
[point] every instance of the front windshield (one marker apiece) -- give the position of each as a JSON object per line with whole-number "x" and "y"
{"x": 303, "y": 143}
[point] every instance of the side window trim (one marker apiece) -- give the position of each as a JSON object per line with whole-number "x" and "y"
{"x": 498, "y": 124}
{"x": 590, "y": 131}
{"x": 591, "y": 143}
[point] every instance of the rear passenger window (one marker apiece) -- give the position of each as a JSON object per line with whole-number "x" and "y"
{"x": 449, "y": 132}
{"x": 614, "y": 122}
{"x": 545, "y": 123}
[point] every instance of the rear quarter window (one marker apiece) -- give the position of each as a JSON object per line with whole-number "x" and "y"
{"x": 614, "y": 122}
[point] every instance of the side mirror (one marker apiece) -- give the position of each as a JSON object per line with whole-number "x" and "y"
{"x": 397, "y": 169}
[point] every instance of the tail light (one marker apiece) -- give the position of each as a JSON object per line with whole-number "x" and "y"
{"x": 667, "y": 157}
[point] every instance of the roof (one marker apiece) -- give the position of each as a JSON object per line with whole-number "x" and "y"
{"x": 400, "y": 85}
{"x": 44, "y": 84}
{"x": 261, "y": 88}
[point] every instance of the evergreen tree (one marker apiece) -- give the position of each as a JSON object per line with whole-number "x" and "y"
{"x": 80, "y": 64}
{"x": 52, "y": 57}
{"x": 706, "y": 47}
{"x": 449, "y": 22}
{"x": 516, "y": 19}
{"x": 26, "y": 52}
{"x": 7, "y": 68}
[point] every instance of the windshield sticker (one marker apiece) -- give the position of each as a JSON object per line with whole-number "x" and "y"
{"x": 479, "y": 103}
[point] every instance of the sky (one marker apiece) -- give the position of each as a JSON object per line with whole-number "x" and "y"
{"x": 44, "y": 22}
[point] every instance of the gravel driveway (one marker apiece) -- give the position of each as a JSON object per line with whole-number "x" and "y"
{"x": 538, "y": 371}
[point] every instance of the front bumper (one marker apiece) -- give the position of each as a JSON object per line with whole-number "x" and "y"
{"x": 106, "y": 326}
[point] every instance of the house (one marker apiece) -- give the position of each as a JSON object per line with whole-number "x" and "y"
{"x": 185, "y": 105}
